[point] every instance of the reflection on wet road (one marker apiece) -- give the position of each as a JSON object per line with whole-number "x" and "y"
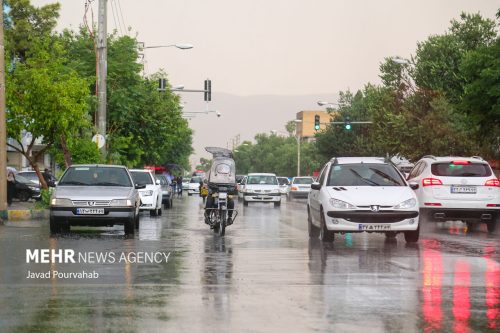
{"x": 265, "y": 275}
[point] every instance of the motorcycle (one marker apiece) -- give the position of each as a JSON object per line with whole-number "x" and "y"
{"x": 219, "y": 209}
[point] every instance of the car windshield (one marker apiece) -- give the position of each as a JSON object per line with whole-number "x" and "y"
{"x": 163, "y": 180}
{"x": 454, "y": 169}
{"x": 305, "y": 180}
{"x": 141, "y": 178}
{"x": 262, "y": 180}
{"x": 364, "y": 174}
{"x": 283, "y": 181}
{"x": 95, "y": 176}
{"x": 24, "y": 180}
{"x": 29, "y": 175}
{"x": 195, "y": 180}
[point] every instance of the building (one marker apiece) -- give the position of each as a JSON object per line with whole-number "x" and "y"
{"x": 305, "y": 128}
{"x": 16, "y": 160}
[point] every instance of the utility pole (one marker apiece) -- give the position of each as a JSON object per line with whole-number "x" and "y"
{"x": 102, "y": 55}
{"x": 3, "y": 127}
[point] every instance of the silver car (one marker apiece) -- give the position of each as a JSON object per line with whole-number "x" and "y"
{"x": 95, "y": 195}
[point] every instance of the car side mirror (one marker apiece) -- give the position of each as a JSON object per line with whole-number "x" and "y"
{"x": 413, "y": 185}
{"x": 316, "y": 186}
{"x": 158, "y": 182}
{"x": 140, "y": 186}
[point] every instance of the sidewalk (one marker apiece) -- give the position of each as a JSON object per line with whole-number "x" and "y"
{"x": 25, "y": 210}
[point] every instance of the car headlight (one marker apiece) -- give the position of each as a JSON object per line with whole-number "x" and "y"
{"x": 147, "y": 193}
{"x": 61, "y": 202}
{"x": 341, "y": 204}
{"x": 406, "y": 204}
{"x": 34, "y": 188}
{"x": 121, "y": 203}
{"x": 248, "y": 191}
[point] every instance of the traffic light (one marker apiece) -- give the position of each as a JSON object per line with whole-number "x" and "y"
{"x": 208, "y": 90}
{"x": 347, "y": 124}
{"x": 316, "y": 123}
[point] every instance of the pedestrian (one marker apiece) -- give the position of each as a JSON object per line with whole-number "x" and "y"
{"x": 50, "y": 180}
{"x": 174, "y": 186}
{"x": 179, "y": 185}
{"x": 11, "y": 187}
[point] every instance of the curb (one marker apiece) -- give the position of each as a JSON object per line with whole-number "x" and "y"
{"x": 23, "y": 215}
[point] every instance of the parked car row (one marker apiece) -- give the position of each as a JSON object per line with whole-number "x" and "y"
{"x": 107, "y": 195}
{"x": 357, "y": 194}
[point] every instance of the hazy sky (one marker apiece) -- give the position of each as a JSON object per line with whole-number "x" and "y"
{"x": 275, "y": 47}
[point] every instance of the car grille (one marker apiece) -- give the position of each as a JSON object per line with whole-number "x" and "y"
{"x": 91, "y": 203}
{"x": 263, "y": 191}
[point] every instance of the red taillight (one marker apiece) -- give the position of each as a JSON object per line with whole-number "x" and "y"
{"x": 460, "y": 162}
{"x": 492, "y": 182}
{"x": 431, "y": 181}
{"x": 432, "y": 204}
{"x": 294, "y": 188}
{"x": 493, "y": 205}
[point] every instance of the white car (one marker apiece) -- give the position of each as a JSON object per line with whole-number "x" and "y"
{"x": 300, "y": 187}
{"x": 194, "y": 185}
{"x": 357, "y": 194}
{"x": 284, "y": 183}
{"x": 261, "y": 187}
{"x": 151, "y": 195}
{"x": 457, "y": 188}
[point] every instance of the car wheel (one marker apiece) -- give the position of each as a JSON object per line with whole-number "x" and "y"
{"x": 324, "y": 234}
{"x": 159, "y": 211}
{"x": 55, "y": 227}
{"x": 137, "y": 221}
{"x": 189, "y": 194}
{"x": 277, "y": 204}
{"x": 152, "y": 212}
{"x": 390, "y": 234}
{"x": 413, "y": 235}
{"x": 311, "y": 228}
{"x": 23, "y": 195}
{"x": 130, "y": 226}
{"x": 245, "y": 203}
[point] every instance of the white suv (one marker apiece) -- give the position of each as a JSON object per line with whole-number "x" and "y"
{"x": 356, "y": 194}
{"x": 261, "y": 187}
{"x": 459, "y": 188}
{"x": 151, "y": 195}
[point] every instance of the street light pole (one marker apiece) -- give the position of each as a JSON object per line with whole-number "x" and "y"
{"x": 3, "y": 126}
{"x": 102, "y": 70}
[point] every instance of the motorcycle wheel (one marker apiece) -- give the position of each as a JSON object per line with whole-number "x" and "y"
{"x": 222, "y": 223}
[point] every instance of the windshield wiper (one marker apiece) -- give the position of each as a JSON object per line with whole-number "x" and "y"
{"x": 368, "y": 181}
{"x": 386, "y": 176}
{"x": 72, "y": 183}
{"x": 108, "y": 184}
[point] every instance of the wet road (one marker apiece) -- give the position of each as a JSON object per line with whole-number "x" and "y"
{"x": 265, "y": 275}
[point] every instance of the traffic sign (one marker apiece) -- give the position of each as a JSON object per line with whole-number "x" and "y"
{"x": 99, "y": 140}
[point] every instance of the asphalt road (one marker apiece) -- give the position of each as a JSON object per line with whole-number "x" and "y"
{"x": 265, "y": 275}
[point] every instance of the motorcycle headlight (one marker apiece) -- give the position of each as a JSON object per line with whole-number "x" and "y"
{"x": 339, "y": 204}
{"x": 121, "y": 203}
{"x": 147, "y": 193}
{"x": 406, "y": 204}
{"x": 61, "y": 202}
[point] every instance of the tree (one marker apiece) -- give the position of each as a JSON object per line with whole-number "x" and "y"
{"x": 44, "y": 98}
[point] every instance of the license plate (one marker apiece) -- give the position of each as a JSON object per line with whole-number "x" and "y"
{"x": 374, "y": 227}
{"x": 463, "y": 189}
{"x": 90, "y": 211}
{"x": 223, "y": 195}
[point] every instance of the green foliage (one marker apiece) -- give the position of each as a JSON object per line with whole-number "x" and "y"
{"x": 45, "y": 195}
{"x": 83, "y": 151}
{"x": 276, "y": 154}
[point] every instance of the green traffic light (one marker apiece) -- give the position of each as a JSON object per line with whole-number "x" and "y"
{"x": 348, "y": 127}
{"x": 316, "y": 127}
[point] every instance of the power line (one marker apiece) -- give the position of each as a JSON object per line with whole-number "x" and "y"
{"x": 118, "y": 28}
{"x": 121, "y": 14}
